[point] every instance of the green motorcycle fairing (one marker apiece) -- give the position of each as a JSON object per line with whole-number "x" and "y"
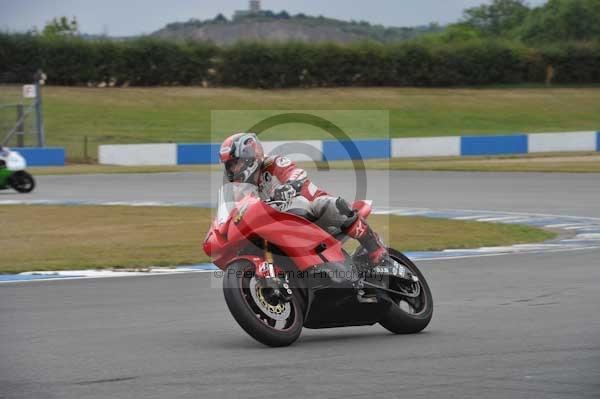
{"x": 4, "y": 175}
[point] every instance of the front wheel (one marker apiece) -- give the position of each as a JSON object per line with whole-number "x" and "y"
{"x": 271, "y": 322}
{"x": 22, "y": 182}
{"x": 409, "y": 315}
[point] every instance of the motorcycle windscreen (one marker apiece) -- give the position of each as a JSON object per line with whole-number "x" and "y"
{"x": 228, "y": 196}
{"x": 14, "y": 161}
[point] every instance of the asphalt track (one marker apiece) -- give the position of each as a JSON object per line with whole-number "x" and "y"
{"x": 504, "y": 326}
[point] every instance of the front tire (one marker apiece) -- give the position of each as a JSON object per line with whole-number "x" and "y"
{"x": 409, "y": 315}
{"x": 22, "y": 182}
{"x": 271, "y": 325}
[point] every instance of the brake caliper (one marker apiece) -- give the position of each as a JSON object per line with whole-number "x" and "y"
{"x": 274, "y": 287}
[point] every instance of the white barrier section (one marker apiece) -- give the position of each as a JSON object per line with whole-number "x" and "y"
{"x": 297, "y": 151}
{"x": 138, "y": 154}
{"x": 557, "y": 142}
{"x": 426, "y": 146}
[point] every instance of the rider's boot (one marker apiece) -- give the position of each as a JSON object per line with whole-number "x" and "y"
{"x": 357, "y": 228}
{"x": 362, "y": 232}
{"x": 379, "y": 258}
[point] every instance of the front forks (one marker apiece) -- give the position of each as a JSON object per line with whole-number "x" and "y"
{"x": 270, "y": 280}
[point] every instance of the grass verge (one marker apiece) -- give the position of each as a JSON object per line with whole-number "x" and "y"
{"x": 84, "y": 237}
{"x": 183, "y": 114}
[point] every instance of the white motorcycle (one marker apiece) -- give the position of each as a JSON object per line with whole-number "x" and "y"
{"x": 13, "y": 173}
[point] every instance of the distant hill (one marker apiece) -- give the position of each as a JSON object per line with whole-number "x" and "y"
{"x": 268, "y": 26}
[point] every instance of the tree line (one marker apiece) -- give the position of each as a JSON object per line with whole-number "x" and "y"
{"x": 504, "y": 42}
{"x": 554, "y": 21}
{"x": 152, "y": 62}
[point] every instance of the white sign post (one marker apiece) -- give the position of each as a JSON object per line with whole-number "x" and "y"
{"x": 29, "y": 91}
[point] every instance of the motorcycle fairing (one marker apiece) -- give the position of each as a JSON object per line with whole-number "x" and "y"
{"x": 303, "y": 242}
{"x": 332, "y": 300}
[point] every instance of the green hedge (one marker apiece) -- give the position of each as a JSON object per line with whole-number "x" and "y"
{"x": 574, "y": 63}
{"x": 73, "y": 61}
{"x": 152, "y": 62}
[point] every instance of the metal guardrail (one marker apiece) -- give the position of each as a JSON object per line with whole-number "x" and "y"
{"x": 23, "y": 111}
{"x": 18, "y": 128}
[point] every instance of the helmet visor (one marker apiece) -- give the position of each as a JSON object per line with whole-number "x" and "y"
{"x": 235, "y": 166}
{"x": 240, "y": 170}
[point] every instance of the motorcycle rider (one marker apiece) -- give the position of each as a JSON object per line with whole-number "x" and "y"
{"x": 3, "y": 154}
{"x": 279, "y": 179}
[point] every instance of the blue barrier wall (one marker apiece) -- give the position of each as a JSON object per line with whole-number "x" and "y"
{"x": 491, "y": 145}
{"x": 208, "y": 153}
{"x": 189, "y": 154}
{"x": 42, "y": 156}
{"x": 365, "y": 149}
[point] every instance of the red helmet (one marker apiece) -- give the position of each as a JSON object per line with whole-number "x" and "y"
{"x": 242, "y": 155}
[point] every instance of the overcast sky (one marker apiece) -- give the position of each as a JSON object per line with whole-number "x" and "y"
{"x": 132, "y": 17}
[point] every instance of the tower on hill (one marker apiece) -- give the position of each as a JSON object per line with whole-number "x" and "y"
{"x": 253, "y": 9}
{"x": 254, "y": 6}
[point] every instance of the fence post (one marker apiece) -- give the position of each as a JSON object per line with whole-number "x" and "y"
{"x": 85, "y": 149}
{"x": 20, "y": 126}
{"x": 38, "y": 108}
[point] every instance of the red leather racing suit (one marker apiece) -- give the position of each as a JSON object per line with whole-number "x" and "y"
{"x": 278, "y": 172}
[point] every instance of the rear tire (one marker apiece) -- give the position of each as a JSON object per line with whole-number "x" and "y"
{"x": 237, "y": 283}
{"x": 399, "y": 321}
{"x": 22, "y": 182}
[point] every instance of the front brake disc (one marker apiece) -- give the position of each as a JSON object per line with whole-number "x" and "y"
{"x": 280, "y": 311}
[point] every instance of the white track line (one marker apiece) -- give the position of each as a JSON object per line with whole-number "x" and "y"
{"x": 577, "y": 223}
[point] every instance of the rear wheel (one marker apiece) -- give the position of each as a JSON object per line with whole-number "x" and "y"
{"x": 409, "y": 315}
{"x": 22, "y": 182}
{"x": 269, "y": 321}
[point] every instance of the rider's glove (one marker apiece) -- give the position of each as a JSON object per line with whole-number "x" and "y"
{"x": 284, "y": 193}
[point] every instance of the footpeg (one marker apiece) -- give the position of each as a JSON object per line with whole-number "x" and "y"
{"x": 360, "y": 296}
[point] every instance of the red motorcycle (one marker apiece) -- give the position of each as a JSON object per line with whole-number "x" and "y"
{"x": 282, "y": 272}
